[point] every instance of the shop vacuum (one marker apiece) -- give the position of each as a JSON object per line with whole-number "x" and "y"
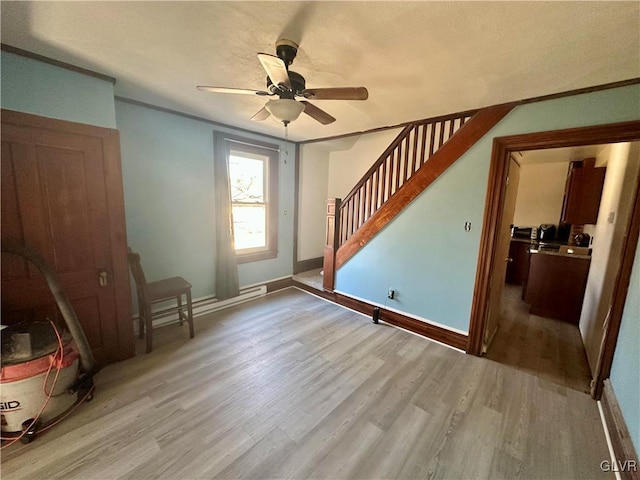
{"x": 46, "y": 371}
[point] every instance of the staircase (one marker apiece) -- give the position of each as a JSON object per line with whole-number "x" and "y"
{"x": 420, "y": 153}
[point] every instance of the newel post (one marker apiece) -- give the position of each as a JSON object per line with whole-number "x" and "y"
{"x": 332, "y": 243}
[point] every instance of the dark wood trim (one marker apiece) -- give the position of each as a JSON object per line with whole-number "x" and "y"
{"x": 296, "y": 203}
{"x": 354, "y": 134}
{"x": 51, "y": 61}
{"x": 447, "y": 155}
{"x": 580, "y": 91}
{"x": 199, "y": 119}
{"x": 118, "y": 229}
{"x": 331, "y": 244}
{"x": 466, "y": 113}
{"x": 502, "y": 147}
{"x": 619, "y": 433}
{"x": 279, "y": 284}
{"x": 543, "y": 98}
{"x": 433, "y": 332}
{"x": 310, "y": 264}
{"x": 47, "y": 123}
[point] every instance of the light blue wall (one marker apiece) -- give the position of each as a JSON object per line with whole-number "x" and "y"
{"x": 625, "y": 371}
{"x": 167, "y": 163}
{"x": 34, "y": 87}
{"x": 424, "y": 253}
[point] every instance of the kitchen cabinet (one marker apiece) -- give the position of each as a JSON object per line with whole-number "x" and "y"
{"x": 556, "y": 284}
{"x": 518, "y": 263}
{"x": 582, "y": 192}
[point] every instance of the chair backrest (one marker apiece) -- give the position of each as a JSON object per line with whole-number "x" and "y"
{"x": 136, "y": 270}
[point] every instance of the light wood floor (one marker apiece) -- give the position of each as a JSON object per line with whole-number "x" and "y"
{"x": 312, "y": 278}
{"x": 291, "y": 386}
{"x": 548, "y": 348}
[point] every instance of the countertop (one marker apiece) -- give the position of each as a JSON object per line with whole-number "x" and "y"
{"x": 539, "y": 242}
{"x": 547, "y": 243}
{"x": 558, "y": 254}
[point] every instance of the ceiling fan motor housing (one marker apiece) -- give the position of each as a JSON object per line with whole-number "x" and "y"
{"x": 297, "y": 86}
{"x": 286, "y": 50}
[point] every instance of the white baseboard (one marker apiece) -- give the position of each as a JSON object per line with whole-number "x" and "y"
{"x": 206, "y": 305}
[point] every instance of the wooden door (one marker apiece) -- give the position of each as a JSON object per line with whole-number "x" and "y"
{"x": 498, "y": 274}
{"x": 62, "y": 196}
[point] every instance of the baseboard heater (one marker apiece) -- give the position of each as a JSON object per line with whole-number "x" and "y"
{"x": 206, "y": 305}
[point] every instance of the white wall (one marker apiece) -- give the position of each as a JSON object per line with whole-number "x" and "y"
{"x": 623, "y": 162}
{"x": 347, "y": 167}
{"x": 313, "y": 176}
{"x": 540, "y": 193}
{"x": 331, "y": 169}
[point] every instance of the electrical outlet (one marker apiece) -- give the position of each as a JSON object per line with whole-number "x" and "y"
{"x": 467, "y": 226}
{"x": 391, "y": 293}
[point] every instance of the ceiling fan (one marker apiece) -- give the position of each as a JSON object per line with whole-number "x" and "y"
{"x": 287, "y": 85}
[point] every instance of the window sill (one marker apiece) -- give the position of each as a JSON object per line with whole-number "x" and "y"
{"x": 256, "y": 256}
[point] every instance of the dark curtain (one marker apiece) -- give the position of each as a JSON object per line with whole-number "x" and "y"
{"x": 226, "y": 266}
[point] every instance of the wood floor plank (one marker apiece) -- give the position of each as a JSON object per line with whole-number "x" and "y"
{"x": 290, "y": 386}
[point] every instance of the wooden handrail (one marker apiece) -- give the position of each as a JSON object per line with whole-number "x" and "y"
{"x": 395, "y": 193}
{"x": 400, "y": 161}
{"x": 379, "y": 161}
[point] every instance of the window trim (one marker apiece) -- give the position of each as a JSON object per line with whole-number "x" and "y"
{"x": 272, "y": 152}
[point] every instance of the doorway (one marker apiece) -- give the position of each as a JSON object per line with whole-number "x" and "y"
{"x": 505, "y": 147}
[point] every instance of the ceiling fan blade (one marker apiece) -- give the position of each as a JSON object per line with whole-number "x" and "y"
{"x": 242, "y": 91}
{"x": 317, "y": 113}
{"x": 276, "y": 69}
{"x": 346, "y": 93}
{"x": 262, "y": 114}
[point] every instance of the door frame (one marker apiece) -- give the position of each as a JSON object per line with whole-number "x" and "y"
{"x": 491, "y": 295}
{"x": 502, "y": 148}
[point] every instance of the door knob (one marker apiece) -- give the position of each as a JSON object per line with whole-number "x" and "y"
{"x": 508, "y": 259}
{"x": 103, "y": 278}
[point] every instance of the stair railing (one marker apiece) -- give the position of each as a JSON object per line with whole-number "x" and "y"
{"x": 408, "y": 152}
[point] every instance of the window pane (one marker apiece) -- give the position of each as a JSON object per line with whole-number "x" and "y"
{"x": 250, "y": 226}
{"x": 246, "y": 177}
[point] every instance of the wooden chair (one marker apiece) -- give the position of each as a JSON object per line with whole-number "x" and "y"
{"x": 162, "y": 290}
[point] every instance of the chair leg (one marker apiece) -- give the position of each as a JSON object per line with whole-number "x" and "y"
{"x": 141, "y": 316}
{"x": 149, "y": 328}
{"x": 180, "y": 314}
{"x": 140, "y": 324}
{"x": 190, "y": 314}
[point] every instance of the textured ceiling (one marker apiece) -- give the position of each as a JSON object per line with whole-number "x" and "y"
{"x": 418, "y": 59}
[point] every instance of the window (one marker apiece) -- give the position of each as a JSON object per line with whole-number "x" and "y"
{"x": 253, "y": 178}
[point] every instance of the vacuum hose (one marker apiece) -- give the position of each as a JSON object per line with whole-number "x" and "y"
{"x": 87, "y": 361}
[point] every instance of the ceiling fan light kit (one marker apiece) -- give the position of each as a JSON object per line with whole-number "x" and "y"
{"x": 284, "y": 110}
{"x": 286, "y": 85}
